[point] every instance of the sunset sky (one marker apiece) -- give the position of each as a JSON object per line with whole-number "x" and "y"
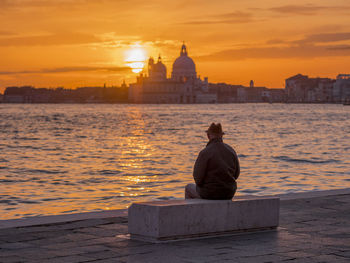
{"x": 72, "y": 43}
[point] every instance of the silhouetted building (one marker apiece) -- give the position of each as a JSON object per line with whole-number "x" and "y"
{"x": 184, "y": 68}
{"x": 251, "y": 94}
{"x": 28, "y": 94}
{"x": 324, "y": 90}
{"x": 341, "y": 91}
{"x": 275, "y": 95}
{"x": 300, "y": 88}
{"x": 18, "y": 94}
{"x": 296, "y": 87}
{"x": 226, "y": 93}
{"x": 102, "y": 94}
{"x": 183, "y": 87}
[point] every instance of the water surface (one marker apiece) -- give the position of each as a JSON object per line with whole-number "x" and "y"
{"x": 66, "y": 158}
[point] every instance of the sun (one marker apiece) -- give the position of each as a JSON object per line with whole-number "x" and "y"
{"x": 135, "y": 58}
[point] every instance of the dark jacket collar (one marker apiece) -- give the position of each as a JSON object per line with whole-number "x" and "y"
{"x": 215, "y": 140}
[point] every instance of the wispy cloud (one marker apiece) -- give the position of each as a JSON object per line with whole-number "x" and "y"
{"x": 237, "y": 17}
{"x": 276, "y": 41}
{"x": 339, "y": 47}
{"x": 303, "y": 52}
{"x": 307, "y": 9}
{"x": 68, "y": 70}
{"x": 39, "y": 3}
{"x": 6, "y": 33}
{"x": 312, "y": 39}
{"x": 107, "y": 40}
{"x": 325, "y": 38}
{"x": 64, "y": 38}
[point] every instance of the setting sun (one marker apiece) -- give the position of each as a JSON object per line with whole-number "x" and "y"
{"x": 234, "y": 42}
{"x": 135, "y": 59}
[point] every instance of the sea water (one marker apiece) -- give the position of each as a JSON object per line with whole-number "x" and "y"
{"x": 68, "y": 158}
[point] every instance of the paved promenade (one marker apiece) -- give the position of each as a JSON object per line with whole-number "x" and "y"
{"x": 311, "y": 230}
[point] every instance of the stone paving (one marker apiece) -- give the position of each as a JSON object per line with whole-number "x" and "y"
{"x": 311, "y": 230}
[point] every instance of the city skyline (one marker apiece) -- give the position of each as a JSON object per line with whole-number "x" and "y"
{"x": 68, "y": 44}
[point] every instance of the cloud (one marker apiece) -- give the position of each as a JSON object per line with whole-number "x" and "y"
{"x": 64, "y": 38}
{"x": 313, "y": 39}
{"x": 67, "y": 70}
{"x": 325, "y": 38}
{"x": 45, "y": 5}
{"x": 306, "y": 51}
{"x": 275, "y": 41}
{"x": 107, "y": 40}
{"x": 342, "y": 47}
{"x": 307, "y": 9}
{"x": 39, "y": 3}
{"x": 237, "y": 17}
{"x": 6, "y": 33}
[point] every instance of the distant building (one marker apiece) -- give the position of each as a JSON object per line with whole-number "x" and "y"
{"x": 301, "y": 88}
{"x": 251, "y": 94}
{"x": 324, "y": 90}
{"x": 341, "y": 91}
{"x": 255, "y": 94}
{"x": 102, "y": 94}
{"x": 28, "y": 94}
{"x": 18, "y": 94}
{"x": 276, "y": 95}
{"x": 226, "y": 93}
{"x": 296, "y": 87}
{"x": 183, "y": 87}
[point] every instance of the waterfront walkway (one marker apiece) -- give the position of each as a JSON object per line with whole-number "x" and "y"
{"x": 312, "y": 229}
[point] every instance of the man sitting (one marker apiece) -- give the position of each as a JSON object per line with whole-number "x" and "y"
{"x": 216, "y": 169}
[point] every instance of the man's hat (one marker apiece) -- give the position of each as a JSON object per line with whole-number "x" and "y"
{"x": 215, "y": 129}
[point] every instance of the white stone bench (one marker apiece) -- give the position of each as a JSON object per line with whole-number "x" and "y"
{"x": 160, "y": 221}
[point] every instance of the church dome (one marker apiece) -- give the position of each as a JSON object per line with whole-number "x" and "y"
{"x": 159, "y": 66}
{"x": 156, "y": 71}
{"x": 184, "y": 67}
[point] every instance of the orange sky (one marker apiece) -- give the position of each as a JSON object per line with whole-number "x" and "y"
{"x": 70, "y": 43}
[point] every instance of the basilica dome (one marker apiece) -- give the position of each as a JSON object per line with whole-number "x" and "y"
{"x": 156, "y": 71}
{"x": 159, "y": 66}
{"x": 184, "y": 67}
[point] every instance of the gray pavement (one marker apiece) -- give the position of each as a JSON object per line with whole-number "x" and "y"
{"x": 311, "y": 230}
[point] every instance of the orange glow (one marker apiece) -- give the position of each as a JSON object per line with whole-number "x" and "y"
{"x": 135, "y": 59}
{"x": 69, "y": 45}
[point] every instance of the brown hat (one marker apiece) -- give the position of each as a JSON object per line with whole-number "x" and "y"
{"x": 215, "y": 128}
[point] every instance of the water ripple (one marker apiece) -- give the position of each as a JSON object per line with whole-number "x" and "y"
{"x": 61, "y": 158}
{"x": 289, "y": 159}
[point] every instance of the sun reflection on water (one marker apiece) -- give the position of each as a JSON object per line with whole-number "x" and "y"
{"x": 78, "y": 158}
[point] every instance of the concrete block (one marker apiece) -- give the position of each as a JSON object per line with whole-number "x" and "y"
{"x": 182, "y": 219}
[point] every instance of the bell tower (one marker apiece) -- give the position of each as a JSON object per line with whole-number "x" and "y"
{"x": 150, "y": 66}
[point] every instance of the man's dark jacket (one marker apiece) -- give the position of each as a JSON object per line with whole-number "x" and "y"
{"x": 216, "y": 170}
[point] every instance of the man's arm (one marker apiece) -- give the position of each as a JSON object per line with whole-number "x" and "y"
{"x": 200, "y": 167}
{"x": 238, "y": 168}
{"x": 236, "y": 162}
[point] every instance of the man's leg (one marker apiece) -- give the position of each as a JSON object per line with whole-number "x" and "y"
{"x": 191, "y": 192}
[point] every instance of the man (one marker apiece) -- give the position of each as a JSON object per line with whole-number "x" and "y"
{"x": 216, "y": 169}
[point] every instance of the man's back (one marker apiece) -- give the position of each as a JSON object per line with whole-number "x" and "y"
{"x": 216, "y": 170}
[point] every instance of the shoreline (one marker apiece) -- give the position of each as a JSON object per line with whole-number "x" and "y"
{"x": 53, "y": 219}
{"x": 132, "y": 103}
{"x": 313, "y": 227}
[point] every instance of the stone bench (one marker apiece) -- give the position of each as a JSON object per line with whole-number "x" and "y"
{"x": 160, "y": 221}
